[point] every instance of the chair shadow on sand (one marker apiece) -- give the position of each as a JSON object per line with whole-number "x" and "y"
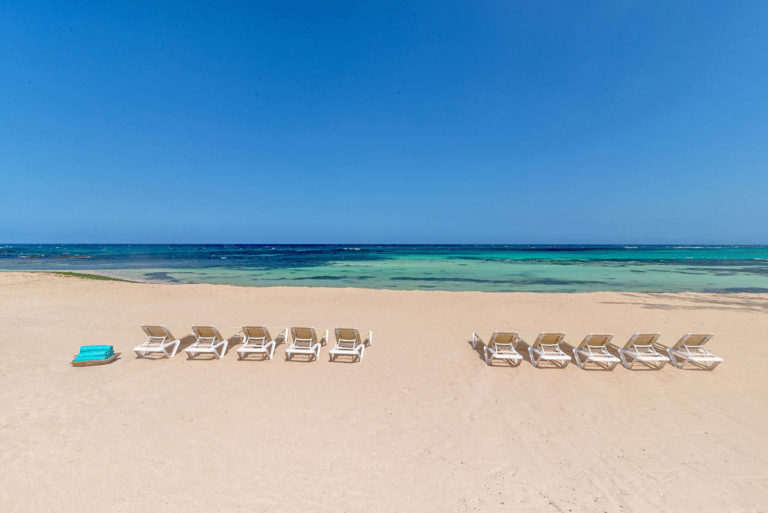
{"x": 253, "y": 356}
{"x": 571, "y": 351}
{"x": 152, "y": 356}
{"x": 300, "y": 358}
{"x": 480, "y": 350}
{"x": 305, "y": 357}
{"x": 190, "y": 338}
{"x": 523, "y": 347}
{"x": 343, "y": 358}
{"x": 640, "y": 366}
{"x": 661, "y": 348}
{"x": 185, "y": 342}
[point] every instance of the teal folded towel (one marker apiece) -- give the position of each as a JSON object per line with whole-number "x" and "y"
{"x": 94, "y": 353}
{"x": 92, "y": 357}
{"x": 99, "y": 351}
{"x": 96, "y": 348}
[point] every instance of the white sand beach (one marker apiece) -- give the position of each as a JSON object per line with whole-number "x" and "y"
{"x": 421, "y": 425}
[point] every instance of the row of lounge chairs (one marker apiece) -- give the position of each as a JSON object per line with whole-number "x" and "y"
{"x": 255, "y": 340}
{"x": 597, "y": 349}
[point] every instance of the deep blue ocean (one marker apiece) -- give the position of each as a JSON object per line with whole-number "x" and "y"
{"x": 539, "y": 268}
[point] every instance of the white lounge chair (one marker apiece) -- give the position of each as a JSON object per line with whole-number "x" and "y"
{"x": 159, "y": 340}
{"x": 349, "y": 343}
{"x": 547, "y": 348}
{"x": 501, "y": 346}
{"x": 641, "y": 347}
{"x": 208, "y": 340}
{"x": 257, "y": 340}
{"x": 594, "y": 349}
{"x": 304, "y": 341}
{"x": 690, "y": 348}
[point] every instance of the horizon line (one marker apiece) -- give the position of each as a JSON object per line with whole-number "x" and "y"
{"x": 691, "y": 244}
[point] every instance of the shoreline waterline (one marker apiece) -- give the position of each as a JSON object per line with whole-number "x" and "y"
{"x": 99, "y": 276}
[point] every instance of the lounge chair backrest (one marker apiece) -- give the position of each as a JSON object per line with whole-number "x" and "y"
{"x": 549, "y": 339}
{"x": 693, "y": 339}
{"x": 642, "y": 339}
{"x": 257, "y": 333}
{"x": 157, "y": 331}
{"x": 347, "y": 337}
{"x": 303, "y": 337}
{"x": 595, "y": 340}
{"x": 157, "y": 335}
{"x": 208, "y": 333}
{"x": 503, "y": 338}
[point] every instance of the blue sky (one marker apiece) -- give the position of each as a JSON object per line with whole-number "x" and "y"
{"x": 445, "y": 121}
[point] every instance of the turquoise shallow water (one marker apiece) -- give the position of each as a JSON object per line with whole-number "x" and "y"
{"x": 534, "y": 268}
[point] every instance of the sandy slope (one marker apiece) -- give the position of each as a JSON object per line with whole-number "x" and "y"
{"x": 421, "y": 425}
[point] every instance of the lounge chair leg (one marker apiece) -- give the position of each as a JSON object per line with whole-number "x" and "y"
{"x": 673, "y": 359}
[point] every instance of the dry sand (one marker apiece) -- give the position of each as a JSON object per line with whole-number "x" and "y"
{"x": 421, "y": 425}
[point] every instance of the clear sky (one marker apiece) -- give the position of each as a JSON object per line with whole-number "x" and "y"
{"x": 438, "y": 121}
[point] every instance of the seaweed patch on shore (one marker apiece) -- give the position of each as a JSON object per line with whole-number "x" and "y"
{"x": 86, "y": 276}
